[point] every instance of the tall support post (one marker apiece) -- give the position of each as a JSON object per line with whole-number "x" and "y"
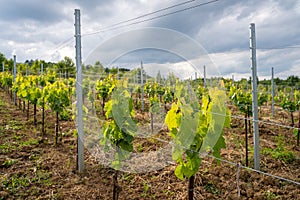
{"x": 273, "y": 92}
{"x": 118, "y": 73}
{"x": 142, "y": 85}
{"x": 80, "y": 137}
{"x": 195, "y": 75}
{"x": 232, "y": 79}
{"x": 3, "y": 68}
{"x": 137, "y": 78}
{"x": 15, "y": 74}
{"x": 254, "y": 97}
{"x": 204, "y": 75}
{"x": 42, "y": 68}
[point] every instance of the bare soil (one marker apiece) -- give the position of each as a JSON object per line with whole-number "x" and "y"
{"x": 33, "y": 167}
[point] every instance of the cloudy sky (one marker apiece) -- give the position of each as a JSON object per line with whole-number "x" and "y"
{"x": 34, "y": 29}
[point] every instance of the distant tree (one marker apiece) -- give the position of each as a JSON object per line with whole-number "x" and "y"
{"x": 158, "y": 77}
{"x": 172, "y": 78}
{"x": 2, "y": 58}
{"x": 9, "y": 64}
{"x": 22, "y": 68}
{"x": 277, "y": 81}
{"x": 35, "y": 67}
{"x": 292, "y": 80}
{"x": 124, "y": 69}
{"x": 113, "y": 70}
{"x": 98, "y": 67}
{"x": 66, "y": 66}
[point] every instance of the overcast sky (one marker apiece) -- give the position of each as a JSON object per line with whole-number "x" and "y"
{"x": 34, "y": 29}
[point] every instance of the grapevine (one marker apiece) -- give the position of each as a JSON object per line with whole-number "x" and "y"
{"x": 193, "y": 130}
{"x": 57, "y": 96}
{"x": 119, "y": 129}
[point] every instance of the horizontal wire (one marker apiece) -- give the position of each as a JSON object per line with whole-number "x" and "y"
{"x": 152, "y": 18}
{"x": 276, "y": 48}
{"x": 205, "y": 154}
{"x": 148, "y": 14}
{"x": 254, "y": 170}
{"x": 232, "y": 163}
{"x": 259, "y": 121}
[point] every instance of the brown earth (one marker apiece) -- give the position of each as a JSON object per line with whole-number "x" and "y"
{"x": 33, "y": 167}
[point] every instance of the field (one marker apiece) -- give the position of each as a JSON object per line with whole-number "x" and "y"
{"x": 34, "y": 167}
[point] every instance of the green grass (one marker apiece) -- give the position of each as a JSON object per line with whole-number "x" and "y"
{"x": 6, "y": 148}
{"x": 280, "y": 152}
{"x": 15, "y": 125}
{"x": 212, "y": 188}
{"x": 9, "y": 162}
{"x": 271, "y": 196}
{"x": 2, "y": 103}
{"x": 19, "y": 184}
{"x": 15, "y": 183}
{"x": 13, "y": 145}
{"x": 29, "y": 142}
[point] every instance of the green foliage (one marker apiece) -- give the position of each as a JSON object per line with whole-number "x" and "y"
{"x": 297, "y": 98}
{"x": 218, "y": 117}
{"x": 269, "y": 195}
{"x": 15, "y": 182}
{"x": 66, "y": 66}
{"x": 201, "y": 91}
{"x": 105, "y": 87}
{"x": 91, "y": 93}
{"x": 262, "y": 97}
{"x": 85, "y": 86}
{"x": 242, "y": 99}
{"x": 168, "y": 96}
{"x": 2, "y": 58}
{"x": 57, "y": 96}
{"x": 9, "y": 162}
{"x": 280, "y": 152}
{"x": 211, "y": 187}
{"x": 287, "y": 102}
{"x": 31, "y": 87}
{"x": 27, "y": 88}
{"x": 64, "y": 115}
{"x": 70, "y": 82}
{"x": 6, "y": 79}
{"x": 193, "y": 129}
{"x": 119, "y": 128}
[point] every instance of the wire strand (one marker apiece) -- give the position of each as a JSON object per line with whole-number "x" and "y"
{"x": 148, "y": 14}
{"x": 152, "y": 18}
{"x": 254, "y": 170}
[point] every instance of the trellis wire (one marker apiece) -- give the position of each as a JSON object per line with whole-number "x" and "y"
{"x": 238, "y": 165}
{"x": 233, "y": 163}
{"x": 254, "y": 170}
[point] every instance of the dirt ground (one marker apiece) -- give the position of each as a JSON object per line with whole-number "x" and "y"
{"x": 33, "y": 167}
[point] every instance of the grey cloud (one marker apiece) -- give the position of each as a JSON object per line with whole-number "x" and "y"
{"x": 224, "y": 25}
{"x": 153, "y": 38}
{"x": 34, "y": 10}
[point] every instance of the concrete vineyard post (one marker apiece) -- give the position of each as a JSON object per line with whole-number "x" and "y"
{"x": 80, "y": 137}
{"x": 254, "y": 97}
{"x": 142, "y": 85}
{"x": 273, "y": 91}
{"x": 15, "y": 74}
